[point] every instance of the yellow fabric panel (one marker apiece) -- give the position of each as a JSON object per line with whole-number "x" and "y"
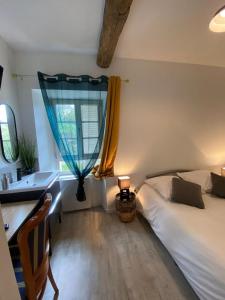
{"x": 106, "y": 166}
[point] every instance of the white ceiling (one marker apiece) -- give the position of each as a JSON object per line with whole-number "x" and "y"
{"x": 168, "y": 30}
{"x": 52, "y": 25}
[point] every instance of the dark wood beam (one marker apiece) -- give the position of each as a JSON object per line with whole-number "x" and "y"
{"x": 115, "y": 16}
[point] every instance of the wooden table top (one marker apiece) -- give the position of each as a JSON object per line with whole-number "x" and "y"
{"x": 15, "y": 214}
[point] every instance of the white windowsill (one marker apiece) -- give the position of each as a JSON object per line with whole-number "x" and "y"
{"x": 64, "y": 177}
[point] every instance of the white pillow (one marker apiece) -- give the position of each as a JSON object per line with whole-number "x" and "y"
{"x": 162, "y": 184}
{"x": 201, "y": 177}
{"x": 147, "y": 197}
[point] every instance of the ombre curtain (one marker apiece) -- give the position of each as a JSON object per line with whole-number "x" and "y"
{"x": 75, "y": 107}
{"x": 110, "y": 144}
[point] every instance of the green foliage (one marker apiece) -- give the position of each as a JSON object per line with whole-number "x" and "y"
{"x": 27, "y": 153}
{"x": 14, "y": 153}
{"x": 63, "y": 166}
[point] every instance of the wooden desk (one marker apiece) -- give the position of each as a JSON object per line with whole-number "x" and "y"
{"x": 15, "y": 214}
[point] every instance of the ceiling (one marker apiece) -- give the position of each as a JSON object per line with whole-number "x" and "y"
{"x": 167, "y": 30}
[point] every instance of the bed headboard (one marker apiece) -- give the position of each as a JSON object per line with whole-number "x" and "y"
{"x": 162, "y": 173}
{"x": 165, "y": 173}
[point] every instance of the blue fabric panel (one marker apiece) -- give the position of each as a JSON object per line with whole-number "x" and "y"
{"x": 14, "y": 251}
{"x": 77, "y": 92}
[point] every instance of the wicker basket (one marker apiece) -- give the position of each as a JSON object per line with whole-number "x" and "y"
{"x": 126, "y": 209}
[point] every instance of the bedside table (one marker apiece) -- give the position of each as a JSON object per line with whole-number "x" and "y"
{"x": 126, "y": 208}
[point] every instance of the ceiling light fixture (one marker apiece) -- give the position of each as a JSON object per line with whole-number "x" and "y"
{"x": 217, "y": 23}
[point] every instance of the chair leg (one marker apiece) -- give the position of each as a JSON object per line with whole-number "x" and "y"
{"x": 50, "y": 238}
{"x": 42, "y": 291}
{"x": 52, "y": 280}
{"x": 59, "y": 218}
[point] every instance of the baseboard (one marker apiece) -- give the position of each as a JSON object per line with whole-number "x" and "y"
{"x": 109, "y": 210}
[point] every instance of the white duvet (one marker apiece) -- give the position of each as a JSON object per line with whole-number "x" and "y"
{"x": 194, "y": 237}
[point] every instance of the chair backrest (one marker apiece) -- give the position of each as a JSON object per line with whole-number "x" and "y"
{"x": 33, "y": 242}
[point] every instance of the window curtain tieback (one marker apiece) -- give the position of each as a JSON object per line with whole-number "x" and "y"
{"x": 80, "y": 189}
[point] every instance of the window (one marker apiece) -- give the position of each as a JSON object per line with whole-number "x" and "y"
{"x": 79, "y": 123}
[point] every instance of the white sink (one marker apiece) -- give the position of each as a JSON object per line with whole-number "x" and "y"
{"x": 34, "y": 182}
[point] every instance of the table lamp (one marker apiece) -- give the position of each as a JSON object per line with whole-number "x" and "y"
{"x": 223, "y": 171}
{"x": 124, "y": 185}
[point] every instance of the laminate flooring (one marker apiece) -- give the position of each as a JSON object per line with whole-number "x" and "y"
{"x": 96, "y": 257}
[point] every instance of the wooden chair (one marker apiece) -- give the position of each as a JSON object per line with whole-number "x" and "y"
{"x": 33, "y": 243}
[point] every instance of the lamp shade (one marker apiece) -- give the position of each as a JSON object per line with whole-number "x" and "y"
{"x": 124, "y": 182}
{"x": 223, "y": 171}
{"x": 217, "y": 24}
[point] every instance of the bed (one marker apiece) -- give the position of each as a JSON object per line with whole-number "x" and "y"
{"x": 195, "y": 238}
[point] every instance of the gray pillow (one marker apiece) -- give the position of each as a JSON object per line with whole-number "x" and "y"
{"x": 186, "y": 192}
{"x": 218, "y": 185}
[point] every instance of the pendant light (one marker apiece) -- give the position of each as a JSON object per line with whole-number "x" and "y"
{"x": 217, "y": 23}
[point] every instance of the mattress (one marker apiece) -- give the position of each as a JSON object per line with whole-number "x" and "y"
{"x": 194, "y": 237}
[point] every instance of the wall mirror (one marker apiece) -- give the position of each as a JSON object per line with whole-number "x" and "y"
{"x": 8, "y": 134}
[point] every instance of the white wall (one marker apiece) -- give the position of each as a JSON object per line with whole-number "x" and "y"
{"x": 46, "y": 149}
{"x": 8, "y": 91}
{"x": 8, "y": 285}
{"x": 172, "y": 115}
{"x": 8, "y": 95}
{"x": 94, "y": 190}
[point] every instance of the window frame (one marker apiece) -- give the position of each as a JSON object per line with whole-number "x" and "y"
{"x": 78, "y": 121}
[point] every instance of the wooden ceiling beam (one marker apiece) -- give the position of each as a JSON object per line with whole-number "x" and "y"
{"x": 115, "y": 16}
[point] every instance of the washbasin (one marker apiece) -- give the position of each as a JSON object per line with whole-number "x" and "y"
{"x": 35, "y": 182}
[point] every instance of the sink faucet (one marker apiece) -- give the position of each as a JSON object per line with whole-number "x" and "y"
{"x": 18, "y": 174}
{"x": 5, "y": 182}
{"x": 9, "y": 175}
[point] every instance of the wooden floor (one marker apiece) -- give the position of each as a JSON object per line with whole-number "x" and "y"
{"x": 96, "y": 257}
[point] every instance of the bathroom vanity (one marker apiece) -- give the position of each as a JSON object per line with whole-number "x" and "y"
{"x": 34, "y": 187}
{"x": 15, "y": 198}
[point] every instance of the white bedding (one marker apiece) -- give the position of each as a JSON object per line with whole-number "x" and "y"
{"x": 194, "y": 237}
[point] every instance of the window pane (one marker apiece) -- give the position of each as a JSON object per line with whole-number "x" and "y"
{"x": 68, "y": 130}
{"x": 82, "y": 141}
{"x": 65, "y": 112}
{"x": 90, "y": 129}
{"x": 89, "y": 113}
{"x": 71, "y": 144}
{"x": 89, "y": 145}
{"x": 82, "y": 163}
{"x": 63, "y": 166}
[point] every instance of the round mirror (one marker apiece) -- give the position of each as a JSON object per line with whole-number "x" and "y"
{"x": 8, "y": 134}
